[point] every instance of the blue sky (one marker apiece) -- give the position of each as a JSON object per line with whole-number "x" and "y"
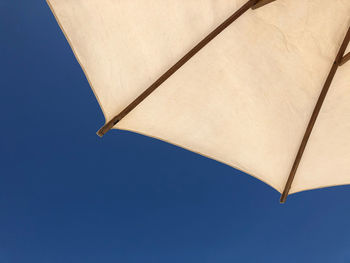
{"x": 67, "y": 195}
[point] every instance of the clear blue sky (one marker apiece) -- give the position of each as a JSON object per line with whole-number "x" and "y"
{"x": 68, "y": 196}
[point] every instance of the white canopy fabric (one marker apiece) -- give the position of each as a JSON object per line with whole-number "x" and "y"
{"x": 245, "y": 99}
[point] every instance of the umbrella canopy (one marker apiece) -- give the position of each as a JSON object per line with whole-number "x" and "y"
{"x": 242, "y": 82}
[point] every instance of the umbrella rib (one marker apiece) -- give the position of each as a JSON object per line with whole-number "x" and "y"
{"x": 345, "y": 59}
{"x": 262, "y": 3}
{"x": 250, "y": 4}
{"x": 337, "y": 63}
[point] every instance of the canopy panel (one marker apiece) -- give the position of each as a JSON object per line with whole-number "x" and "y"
{"x": 124, "y": 45}
{"x": 245, "y": 99}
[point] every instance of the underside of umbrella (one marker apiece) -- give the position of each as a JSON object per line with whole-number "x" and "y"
{"x": 261, "y": 85}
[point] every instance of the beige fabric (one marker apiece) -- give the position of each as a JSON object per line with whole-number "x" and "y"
{"x": 244, "y": 100}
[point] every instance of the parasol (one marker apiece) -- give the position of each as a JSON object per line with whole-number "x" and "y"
{"x": 261, "y": 85}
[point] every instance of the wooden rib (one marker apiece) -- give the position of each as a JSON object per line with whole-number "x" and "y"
{"x": 315, "y": 114}
{"x": 345, "y": 59}
{"x": 262, "y": 3}
{"x": 250, "y": 4}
